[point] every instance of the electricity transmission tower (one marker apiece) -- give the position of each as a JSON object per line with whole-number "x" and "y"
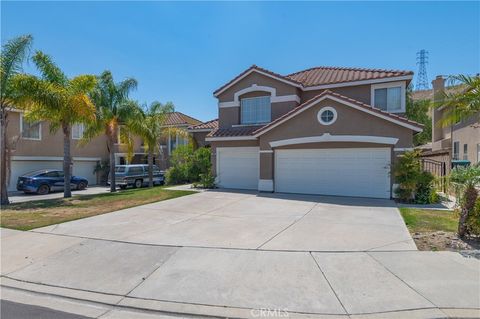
{"x": 422, "y": 79}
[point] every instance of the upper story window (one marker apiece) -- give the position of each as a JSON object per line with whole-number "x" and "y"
{"x": 256, "y": 110}
{"x": 77, "y": 131}
{"x": 389, "y": 97}
{"x": 30, "y": 130}
{"x": 456, "y": 151}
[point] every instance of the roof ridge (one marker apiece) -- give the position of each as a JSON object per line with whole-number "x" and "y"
{"x": 348, "y": 68}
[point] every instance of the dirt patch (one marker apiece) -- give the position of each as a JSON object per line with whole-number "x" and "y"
{"x": 440, "y": 240}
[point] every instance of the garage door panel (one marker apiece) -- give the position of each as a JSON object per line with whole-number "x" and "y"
{"x": 238, "y": 167}
{"x": 345, "y": 172}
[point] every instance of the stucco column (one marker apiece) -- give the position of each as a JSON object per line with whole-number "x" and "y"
{"x": 265, "y": 184}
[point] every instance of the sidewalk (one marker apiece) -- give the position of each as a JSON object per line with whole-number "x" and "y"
{"x": 102, "y": 278}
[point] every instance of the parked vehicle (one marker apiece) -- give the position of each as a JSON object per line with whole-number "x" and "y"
{"x": 136, "y": 175}
{"x": 46, "y": 180}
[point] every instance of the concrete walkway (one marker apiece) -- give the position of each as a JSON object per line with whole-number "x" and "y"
{"x": 20, "y": 197}
{"x": 69, "y": 267}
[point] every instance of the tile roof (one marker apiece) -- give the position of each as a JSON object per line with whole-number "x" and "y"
{"x": 212, "y": 124}
{"x": 178, "y": 118}
{"x": 234, "y": 131}
{"x": 323, "y": 75}
{"x": 331, "y": 75}
{"x": 344, "y": 98}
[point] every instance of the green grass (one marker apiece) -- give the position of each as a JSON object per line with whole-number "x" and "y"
{"x": 426, "y": 220}
{"x": 30, "y": 215}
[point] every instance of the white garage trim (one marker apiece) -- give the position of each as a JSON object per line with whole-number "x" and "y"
{"x": 361, "y": 172}
{"x": 336, "y": 138}
{"x": 238, "y": 167}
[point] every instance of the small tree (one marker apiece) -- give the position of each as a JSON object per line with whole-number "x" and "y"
{"x": 418, "y": 111}
{"x": 407, "y": 171}
{"x": 150, "y": 125}
{"x": 112, "y": 109}
{"x": 55, "y": 98}
{"x": 465, "y": 181}
{"x": 14, "y": 53}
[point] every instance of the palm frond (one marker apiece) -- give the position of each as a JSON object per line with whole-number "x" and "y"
{"x": 12, "y": 56}
{"x": 49, "y": 70}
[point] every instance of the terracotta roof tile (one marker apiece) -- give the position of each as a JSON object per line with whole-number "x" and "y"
{"x": 212, "y": 124}
{"x": 178, "y": 118}
{"x": 347, "y": 99}
{"x": 234, "y": 131}
{"x": 331, "y": 75}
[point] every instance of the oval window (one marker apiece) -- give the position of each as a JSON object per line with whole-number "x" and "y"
{"x": 327, "y": 115}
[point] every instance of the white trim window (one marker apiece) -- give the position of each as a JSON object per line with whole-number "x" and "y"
{"x": 389, "y": 97}
{"x": 77, "y": 131}
{"x": 30, "y": 130}
{"x": 174, "y": 141}
{"x": 465, "y": 152}
{"x": 255, "y": 110}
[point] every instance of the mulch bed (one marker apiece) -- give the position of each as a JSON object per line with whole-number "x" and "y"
{"x": 445, "y": 241}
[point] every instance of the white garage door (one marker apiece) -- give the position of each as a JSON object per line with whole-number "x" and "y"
{"x": 238, "y": 167}
{"x": 21, "y": 167}
{"x": 85, "y": 169}
{"x": 346, "y": 172}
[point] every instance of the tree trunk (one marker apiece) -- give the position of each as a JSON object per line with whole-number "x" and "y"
{"x": 67, "y": 161}
{"x": 150, "y": 167}
{"x": 112, "y": 164}
{"x": 3, "y": 157}
{"x": 470, "y": 195}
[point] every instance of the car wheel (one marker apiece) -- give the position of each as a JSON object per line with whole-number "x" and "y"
{"x": 138, "y": 183}
{"x": 43, "y": 189}
{"x": 81, "y": 186}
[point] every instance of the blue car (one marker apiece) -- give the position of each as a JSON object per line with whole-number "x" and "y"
{"x": 47, "y": 180}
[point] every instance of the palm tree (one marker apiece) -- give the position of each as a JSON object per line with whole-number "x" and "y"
{"x": 150, "y": 125}
{"x": 13, "y": 54}
{"x": 55, "y": 98}
{"x": 113, "y": 108}
{"x": 463, "y": 103}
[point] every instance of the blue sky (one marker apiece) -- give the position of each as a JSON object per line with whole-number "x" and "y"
{"x": 182, "y": 52}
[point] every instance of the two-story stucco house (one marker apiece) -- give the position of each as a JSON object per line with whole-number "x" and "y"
{"x": 324, "y": 130}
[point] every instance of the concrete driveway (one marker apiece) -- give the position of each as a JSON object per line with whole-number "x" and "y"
{"x": 233, "y": 254}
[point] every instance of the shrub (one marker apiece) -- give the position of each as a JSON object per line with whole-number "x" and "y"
{"x": 187, "y": 165}
{"x": 473, "y": 219}
{"x": 207, "y": 180}
{"x": 406, "y": 172}
{"x": 424, "y": 188}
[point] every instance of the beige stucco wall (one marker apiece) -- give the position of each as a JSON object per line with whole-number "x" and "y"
{"x": 349, "y": 122}
{"x": 51, "y": 144}
{"x": 468, "y": 132}
{"x": 258, "y": 79}
{"x": 360, "y": 93}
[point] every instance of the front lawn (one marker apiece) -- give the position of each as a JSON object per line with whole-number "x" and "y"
{"x": 427, "y": 220}
{"x": 436, "y": 230}
{"x": 30, "y": 215}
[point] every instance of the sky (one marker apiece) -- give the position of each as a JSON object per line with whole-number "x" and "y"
{"x": 183, "y": 51}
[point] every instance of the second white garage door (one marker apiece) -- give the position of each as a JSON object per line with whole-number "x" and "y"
{"x": 363, "y": 172}
{"x": 238, "y": 167}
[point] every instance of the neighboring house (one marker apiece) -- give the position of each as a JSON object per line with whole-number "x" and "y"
{"x": 325, "y": 130}
{"x": 456, "y": 143}
{"x": 33, "y": 147}
{"x": 199, "y": 132}
{"x": 167, "y": 145}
